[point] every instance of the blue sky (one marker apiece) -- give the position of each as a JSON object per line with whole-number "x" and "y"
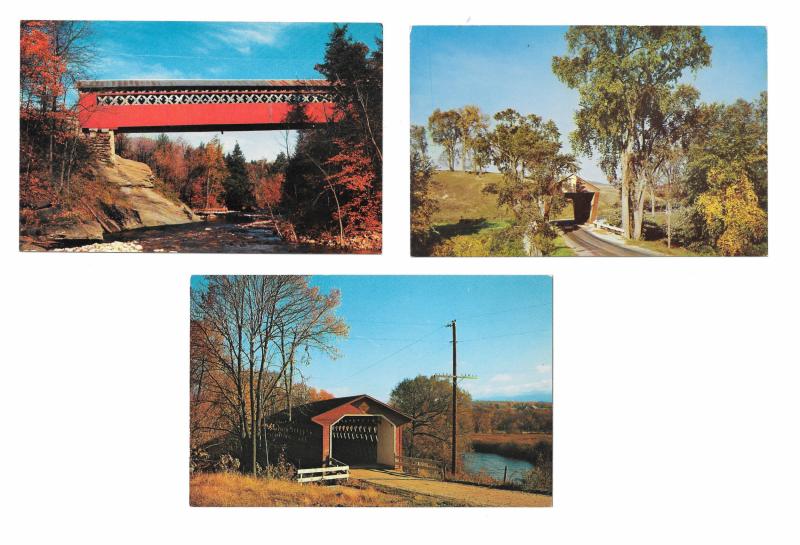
{"x": 199, "y": 50}
{"x": 397, "y": 331}
{"x": 502, "y": 67}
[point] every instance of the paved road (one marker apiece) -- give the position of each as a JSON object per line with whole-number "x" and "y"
{"x": 585, "y": 243}
{"x": 461, "y": 493}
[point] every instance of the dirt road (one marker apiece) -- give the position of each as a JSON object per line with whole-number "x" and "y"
{"x": 462, "y": 493}
{"x": 580, "y": 239}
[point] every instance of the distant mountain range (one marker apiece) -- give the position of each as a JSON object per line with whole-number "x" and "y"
{"x": 530, "y": 396}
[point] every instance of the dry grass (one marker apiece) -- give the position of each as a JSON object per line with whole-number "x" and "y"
{"x": 236, "y": 490}
{"x": 520, "y": 438}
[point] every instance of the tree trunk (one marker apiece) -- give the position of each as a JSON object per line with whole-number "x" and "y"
{"x": 464, "y": 156}
{"x": 652, "y": 202}
{"x": 638, "y": 213}
{"x": 627, "y": 192}
{"x": 669, "y": 223}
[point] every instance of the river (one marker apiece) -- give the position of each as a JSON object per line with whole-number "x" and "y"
{"x": 494, "y": 465}
{"x": 225, "y": 233}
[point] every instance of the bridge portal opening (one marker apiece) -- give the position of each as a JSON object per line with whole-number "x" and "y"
{"x": 363, "y": 440}
{"x": 584, "y": 198}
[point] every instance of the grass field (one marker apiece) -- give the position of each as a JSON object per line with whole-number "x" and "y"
{"x": 520, "y": 438}
{"x": 469, "y": 215}
{"x": 460, "y": 196}
{"x": 237, "y": 490}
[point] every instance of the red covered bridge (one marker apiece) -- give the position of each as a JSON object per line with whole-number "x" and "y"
{"x": 356, "y": 430}
{"x": 585, "y": 198}
{"x": 110, "y": 106}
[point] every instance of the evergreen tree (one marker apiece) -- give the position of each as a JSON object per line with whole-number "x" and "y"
{"x": 238, "y": 187}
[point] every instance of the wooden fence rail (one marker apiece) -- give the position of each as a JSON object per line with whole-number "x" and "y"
{"x": 413, "y": 465}
{"x": 323, "y": 474}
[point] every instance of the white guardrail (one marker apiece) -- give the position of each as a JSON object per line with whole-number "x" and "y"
{"x": 600, "y": 224}
{"x": 323, "y": 474}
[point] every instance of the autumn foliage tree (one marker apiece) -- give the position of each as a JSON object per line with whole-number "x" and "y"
{"x": 248, "y": 332}
{"x": 207, "y": 171}
{"x": 334, "y": 177}
{"x": 53, "y": 54}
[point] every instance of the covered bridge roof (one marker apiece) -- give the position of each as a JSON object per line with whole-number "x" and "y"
{"x": 316, "y": 411}
{"x": 97, "y": 85}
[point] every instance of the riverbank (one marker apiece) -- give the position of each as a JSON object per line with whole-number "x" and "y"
{"x": 122, "y": 196}
{"x": 531, "y": 447}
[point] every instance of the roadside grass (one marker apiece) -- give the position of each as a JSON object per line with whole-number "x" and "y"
{"x": 660, "y": 246}
{"x": 237, "y": 490}
{"x": 562, "y": 250}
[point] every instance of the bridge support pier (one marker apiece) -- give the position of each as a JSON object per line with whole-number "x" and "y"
{"x": 101, "y": 144}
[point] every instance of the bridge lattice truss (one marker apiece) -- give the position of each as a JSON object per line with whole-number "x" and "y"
{"x": 220, "y": 96}
{"x": 360, "y": 428}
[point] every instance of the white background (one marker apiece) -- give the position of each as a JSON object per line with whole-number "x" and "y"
{"x": 675, "y": 379}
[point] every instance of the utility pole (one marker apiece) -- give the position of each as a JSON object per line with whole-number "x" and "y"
{"x": 454, "y": 378}
{"x": 455, "y": 397}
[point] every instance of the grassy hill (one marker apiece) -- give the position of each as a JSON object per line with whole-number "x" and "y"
{"x": 460, "y": 196}
{"x": 468, "y": 217}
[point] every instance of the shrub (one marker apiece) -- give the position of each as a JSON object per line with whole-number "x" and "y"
{"x": 687, "y": 227}
{"x": 540, "y": 478}
{"x": 613, "y": 217}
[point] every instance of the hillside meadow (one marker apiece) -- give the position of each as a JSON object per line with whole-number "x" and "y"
{"x": 467, "y": 218}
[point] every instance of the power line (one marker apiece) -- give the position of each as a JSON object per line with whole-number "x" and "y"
{"x": 504, "y": 311}
{"x": 503, "y": 336}
{"x": 409, "y": 345}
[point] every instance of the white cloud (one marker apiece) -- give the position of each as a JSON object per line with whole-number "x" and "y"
{"x": 544, "y": 368}
{"x": 508, "y": 385}
{"x": 121, "y": 67}
{"x": 243, "y": 37}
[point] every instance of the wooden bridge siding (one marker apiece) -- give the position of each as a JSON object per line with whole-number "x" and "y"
{"x": 365, "y": 407}
{"x": 304, "y": 453}
{"x": 186, "y": 116}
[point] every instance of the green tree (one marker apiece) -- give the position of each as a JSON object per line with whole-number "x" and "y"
{"x": 445, "y": 130}
{"x": 625, "y": 76}
{"x": 735, "y": 133}
{"x": 427, "y": 401}
{"x": 527, "y": 151}
{"x": 423, "y": 205}
{"x": 481, "y": 151}
{"x": 471, "y": 122}
{"x": 238, "y": 187}
{"x": 357, "y": 78}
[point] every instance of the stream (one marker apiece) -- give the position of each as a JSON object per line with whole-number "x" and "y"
{"x": 224, "y": 233}
{"x": 495, "y": 464}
